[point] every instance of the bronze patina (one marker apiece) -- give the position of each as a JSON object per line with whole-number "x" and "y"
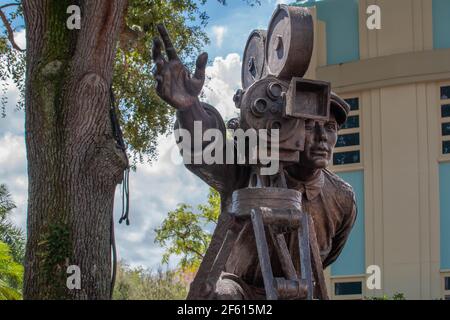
{"x": 276, "y": 233}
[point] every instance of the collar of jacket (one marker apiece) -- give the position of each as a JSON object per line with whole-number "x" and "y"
{"x": 310, "y": 188}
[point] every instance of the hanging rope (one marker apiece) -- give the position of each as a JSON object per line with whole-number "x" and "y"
{"x": 125, "y": 198}
{"x": 120, "y": 143}
{"x": 114, "y": 258}
{"x": 117, "y": 131}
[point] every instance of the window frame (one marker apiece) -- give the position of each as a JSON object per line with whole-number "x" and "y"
{"x": 359, "y": 113}
{"x": 444, "y": 274}
{"x": 346, "y": 279}
{"x": 443, "y": 156}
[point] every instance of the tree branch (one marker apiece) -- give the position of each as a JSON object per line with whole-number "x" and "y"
{"x": 198, "y": 253}
{"x": 9, "y": 5}
{"x": 9, "y": 30}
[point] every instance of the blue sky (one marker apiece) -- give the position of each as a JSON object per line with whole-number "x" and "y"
{"x": 239, "y": 20}
{"x": 159, "y": 187}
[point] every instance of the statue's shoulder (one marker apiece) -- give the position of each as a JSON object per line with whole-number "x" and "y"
{"x": 342, "y": 189}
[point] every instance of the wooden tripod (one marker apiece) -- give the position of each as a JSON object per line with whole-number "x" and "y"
{"x": 274, "y": 212}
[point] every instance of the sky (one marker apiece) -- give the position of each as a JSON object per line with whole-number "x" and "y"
{"x": 156, "y": 188}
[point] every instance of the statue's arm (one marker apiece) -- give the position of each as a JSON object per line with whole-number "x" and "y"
{"x": 201, "y": 113}
{"x": 342, "y": 234}
{"x": 180, "y": 89}
{"x": 220, "y": 176}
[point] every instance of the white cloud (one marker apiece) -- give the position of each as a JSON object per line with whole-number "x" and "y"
{"x": 12, "y": 149}
{"x": 13, "y": 173}
{"x": 20, "y": 38}
{"x": 271, "y": 2}
{"x": 224, "y": 78}
{"x": 219, "y": 33}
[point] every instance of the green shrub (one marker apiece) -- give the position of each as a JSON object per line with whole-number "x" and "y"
{"x": 11, "y": 275}
{"x": 396, "y": 296}
{"x": 142, "y": 284}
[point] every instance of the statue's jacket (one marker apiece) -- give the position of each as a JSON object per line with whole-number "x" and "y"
{"x": 327, "y": 198}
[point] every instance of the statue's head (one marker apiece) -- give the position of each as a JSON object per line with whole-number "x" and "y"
{"x": 321, "y": 137}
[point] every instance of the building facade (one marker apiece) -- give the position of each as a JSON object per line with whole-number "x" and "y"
{"x": 395, "y": 147}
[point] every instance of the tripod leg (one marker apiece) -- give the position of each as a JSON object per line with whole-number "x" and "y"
{"x": 221, "y": 259}
{"x": 263, "y": 254}
{"x": 317, "y": 261}
{"x": 305, "y": 254}
{"x": 283, "y": 254}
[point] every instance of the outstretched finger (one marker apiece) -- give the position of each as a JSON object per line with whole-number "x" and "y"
{"x": 157, "y": 49}
{"x": 157, "y": 56}
{"x": 195, "y": 84}
{"x": 200, "y": 67}
{"x": 170, "y": 50}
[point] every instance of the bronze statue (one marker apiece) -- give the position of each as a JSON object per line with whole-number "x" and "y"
{"x": 276, "y": 232}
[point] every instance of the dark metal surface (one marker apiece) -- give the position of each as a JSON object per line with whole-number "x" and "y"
{"x": 291, "y": 289}
{"x": 305, "y": 254}
{"x": 254, "y": 59}
{"x": 244, "y": 200}
{"x": 279, "y": 208}
{"x": 263, "y": 253}
{"x": 317, "y": 261}
{"x": 262, "y": 107}
{"x": 219, "y": 262}
{"x": 283, "y": 254}
{"x": 290, "y": 40}
{"x": 308, "y": 99}
{"x": 296, "y": 284}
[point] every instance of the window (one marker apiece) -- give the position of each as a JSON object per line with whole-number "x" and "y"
{"x": 446, "y": 147}
{"x": 445, "y": 276}
{"x": 342, "y": 158}
{"x": 354, "y": 103}
{"x": 445, "y": 93}
{"x": 347, "y": 288}
{"x": 445, "y": 119}
{"x": 348, "y": 146}
{"x": 446, "y": 129}
{"x": 353, "y": 121}
{"x": 347, "y": 140}
{"x": 445, "y": 111}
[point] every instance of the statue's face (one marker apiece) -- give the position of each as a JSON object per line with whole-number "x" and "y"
{"x": 320, "y": 140}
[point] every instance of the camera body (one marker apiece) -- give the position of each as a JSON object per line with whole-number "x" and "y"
{"x": 275, "y": 94}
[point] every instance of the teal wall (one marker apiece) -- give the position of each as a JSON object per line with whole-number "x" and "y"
{"x": 352, "y": 260}
{"x": 444, "y": 187}
{"x": 341, "y": 18}
{"x": 441, "y": 24}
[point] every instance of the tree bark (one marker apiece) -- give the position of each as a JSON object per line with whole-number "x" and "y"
{"x": 74, "y": 164}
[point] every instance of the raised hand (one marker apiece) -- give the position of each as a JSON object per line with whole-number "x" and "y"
{"x": 174, "y": 83}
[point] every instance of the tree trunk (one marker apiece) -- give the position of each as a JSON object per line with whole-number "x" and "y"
{"x": 74, "y": 164}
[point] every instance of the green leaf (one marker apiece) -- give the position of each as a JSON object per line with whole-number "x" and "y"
{"x": 11, "y": 275}
{"x": 183, "y": 233}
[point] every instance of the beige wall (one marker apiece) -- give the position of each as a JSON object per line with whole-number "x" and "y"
{"x": 396, "y": 69}
{"x": 401, "y": 187}
{"x": 406, "y": 26}
{"x": 400, "y": 141}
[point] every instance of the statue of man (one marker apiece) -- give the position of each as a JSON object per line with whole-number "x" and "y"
{"x": 327, "y": 198}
